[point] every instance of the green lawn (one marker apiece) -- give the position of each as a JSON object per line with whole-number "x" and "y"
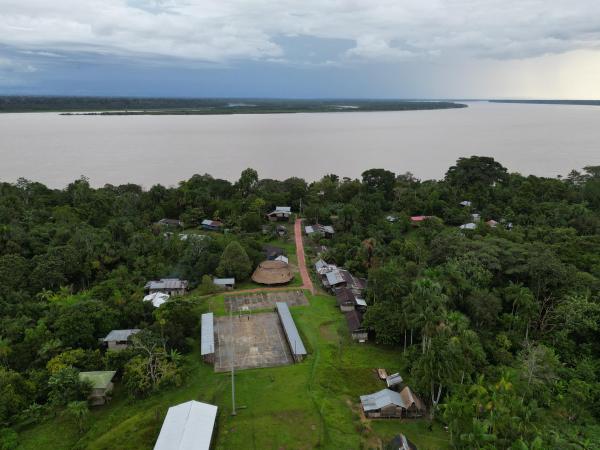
{"x": 313, "y": 404}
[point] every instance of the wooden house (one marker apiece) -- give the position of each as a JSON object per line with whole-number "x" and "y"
{"x": 119, "y": 339}
{"x": 357, "y": 331}
{"x": 390, "y": 404}
{"x": 280, "y": 213}
{"x": 212, "y": 225}
{"x": 170, "y": 286}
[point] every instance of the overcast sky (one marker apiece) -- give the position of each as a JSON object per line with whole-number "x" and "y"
{"x": 302, "y": 48}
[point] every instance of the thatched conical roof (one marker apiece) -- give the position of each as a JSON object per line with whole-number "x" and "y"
{"x": 272, "y": 272}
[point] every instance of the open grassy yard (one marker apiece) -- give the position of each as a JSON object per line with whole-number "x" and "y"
{"x": 313, "y": 404}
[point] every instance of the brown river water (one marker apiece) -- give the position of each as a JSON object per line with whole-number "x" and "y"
{"x": 543, "y": 140}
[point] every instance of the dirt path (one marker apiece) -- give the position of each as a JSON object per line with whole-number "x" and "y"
{"x": 306, "y": 281}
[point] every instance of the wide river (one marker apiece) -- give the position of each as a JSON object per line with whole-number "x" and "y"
{"x": 543, "y": 140}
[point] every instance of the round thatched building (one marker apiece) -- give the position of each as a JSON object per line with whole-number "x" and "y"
{"x": 272, "y": 272}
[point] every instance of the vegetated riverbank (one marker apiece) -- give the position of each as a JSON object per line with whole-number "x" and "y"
{"x": 552, "y": 102}
{"x": 195, "y": 106}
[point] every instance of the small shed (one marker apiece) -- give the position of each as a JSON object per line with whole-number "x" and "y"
{"x": 465, "y": 203}
{"x": 291, "y": 332}
{"x": 280, "y": 213}
{"x": 157, "y": 298}
{"x": 357, "y": 331}
{"x": 188, "y": 426}
{"x": 212, "y": 225}
{"x": 171, "y": 286}
{"x": 394, "y": 381}
{"x": 102, "y": 386}
{"x": 225, "y": 283}
{"x": 207, "y": 342}
{"x": 391, "y": 219}
{"x": 119, "y": 339}
{"x": 281, "y": 230}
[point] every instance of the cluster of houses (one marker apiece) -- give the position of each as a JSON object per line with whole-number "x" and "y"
{"x": 395, "y": 401}
{"x": 476, "y": 219}
{"x": 348, "y": 291}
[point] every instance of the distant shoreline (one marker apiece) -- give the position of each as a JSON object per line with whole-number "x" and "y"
{"x": 551, "y": 102}
{"x": 179, "y": 106}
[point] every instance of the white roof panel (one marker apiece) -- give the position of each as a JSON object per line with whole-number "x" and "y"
{"x": 188, "y": 426}
{"x": 207, "y": 343}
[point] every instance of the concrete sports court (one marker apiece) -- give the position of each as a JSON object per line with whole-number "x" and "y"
{"x": 264, "y": 300}
{"x": 259, "y": 342}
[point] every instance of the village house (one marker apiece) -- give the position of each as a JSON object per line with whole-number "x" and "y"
{"x": 347, "y": 300}
{"x": 416, "y": 220}
{"x": 324, "y": 230}
{"x": 212, "y": 225}
{"x": 119, "y": 339}
{"x": 170, "y": 286}
{"x": 101, "y": 383}
{"x": 468, "y": 226}
{"x": 281, "y": 213}
{"x": 391, "y": 404}
{"x": 170, "y": 223}
{"x": 188, "y": 426}
{"x": 272, "y": 273}
{"x": 224, "y": 283}
{"x": 357, "y": 331}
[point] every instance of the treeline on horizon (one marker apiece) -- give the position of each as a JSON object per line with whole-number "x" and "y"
{"x": 146, "y": 105}
{"x": 498, "y": 327}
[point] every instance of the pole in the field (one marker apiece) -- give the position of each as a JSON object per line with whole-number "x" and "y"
{"x": 233, "y": 413}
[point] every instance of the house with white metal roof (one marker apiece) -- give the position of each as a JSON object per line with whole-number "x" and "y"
{"x": 291, "y": 332}
{"x": 207, "y": 341}
{"x": 187, "y": 426}
{"x": 280, "y": 213}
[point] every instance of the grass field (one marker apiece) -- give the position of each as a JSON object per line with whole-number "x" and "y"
{"x": 313, "y": 404}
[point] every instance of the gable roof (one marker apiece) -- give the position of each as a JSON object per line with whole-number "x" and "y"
{"x": 409, "y": 398}
{"x": 207, "y": 341}
{"x": 187, "y": 426}
{"x": 167, "y": 283}
{"x": 381, "y": 399}
{"x": 354, "y": 319}
{"x": 335, "y": 277}
{"x": 296, "y": 344}
{"x": 99, "y": 379}
{"x": 120, "y": 335}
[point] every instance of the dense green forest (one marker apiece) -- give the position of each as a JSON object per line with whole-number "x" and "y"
{"x": 142, "y": 105}
{"x": 499, "y": 324}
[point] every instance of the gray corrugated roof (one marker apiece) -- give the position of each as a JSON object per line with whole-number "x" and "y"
{"x": 380, "y": 399}
{"x": 334, "y": 277}
{"x": 283, "y": 209}
{"x": 120, "y": 335}
{"x": 167, "y": 283}
{"x": 207, "y": 343}
{"x": 187, "y": 426}
{"x": 223, "y": 281}
{"x": 290, "y": 329}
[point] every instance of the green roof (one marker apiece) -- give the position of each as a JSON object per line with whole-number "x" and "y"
{"x": 99, "y": 379}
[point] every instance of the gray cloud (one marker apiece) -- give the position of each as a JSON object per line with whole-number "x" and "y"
{"x": 221, "y": 31}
